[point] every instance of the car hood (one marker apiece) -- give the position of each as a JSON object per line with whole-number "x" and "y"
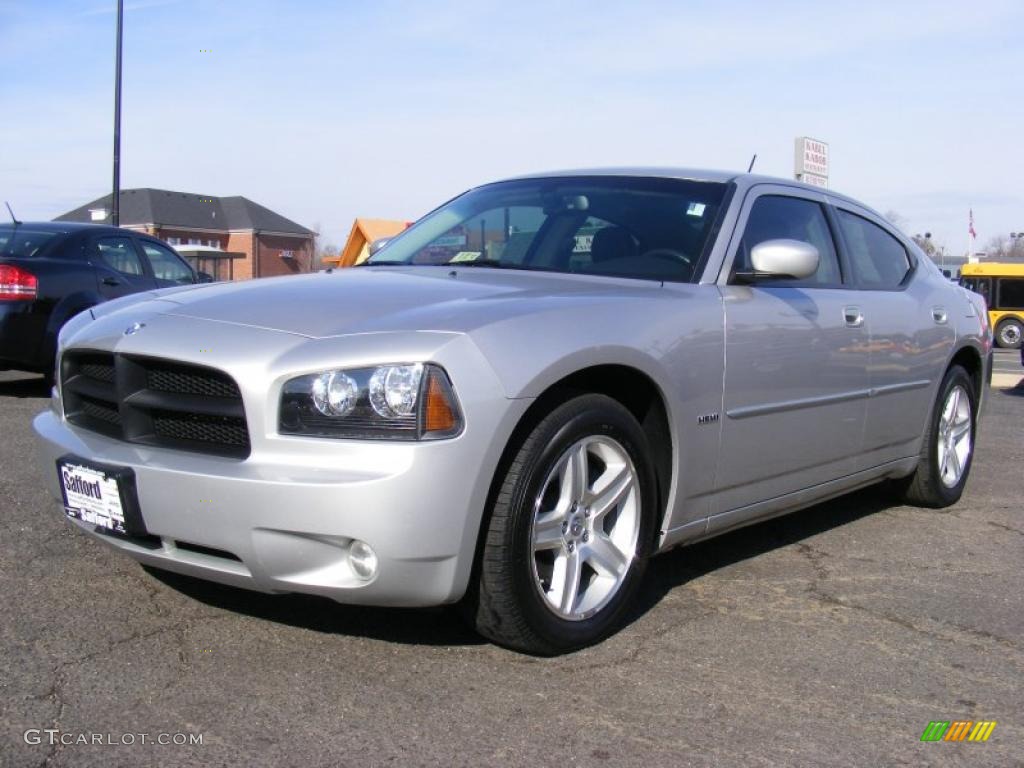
{"x": 372, "y": 300}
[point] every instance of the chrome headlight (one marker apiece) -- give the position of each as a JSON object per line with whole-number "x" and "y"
{"x": 409, "y": 401}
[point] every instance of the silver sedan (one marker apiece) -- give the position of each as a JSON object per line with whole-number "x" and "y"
{"x": 517, "y": 402}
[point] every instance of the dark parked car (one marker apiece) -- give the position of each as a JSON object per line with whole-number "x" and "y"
{"x": 50, "y": 271}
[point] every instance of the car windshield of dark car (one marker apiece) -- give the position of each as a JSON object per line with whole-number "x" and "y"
{"x": 652, "y": 228}
{"x": 22, "y": 243}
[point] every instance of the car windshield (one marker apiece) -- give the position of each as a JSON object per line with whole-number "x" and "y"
{"x": 647, "y": 228}
{"x": 22, "y": 242}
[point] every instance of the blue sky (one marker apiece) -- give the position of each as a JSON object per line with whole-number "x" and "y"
{"x": 328, "y": 110}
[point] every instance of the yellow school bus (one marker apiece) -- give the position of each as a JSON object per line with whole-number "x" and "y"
{"x": 1002, "y": 285}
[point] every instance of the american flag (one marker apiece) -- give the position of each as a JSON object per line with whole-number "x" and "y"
{"x": 970, "y": 223}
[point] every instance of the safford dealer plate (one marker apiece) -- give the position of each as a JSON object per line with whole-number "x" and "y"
{"x": 92, "y": 495}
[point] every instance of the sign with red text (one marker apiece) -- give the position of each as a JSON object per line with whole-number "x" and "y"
{"x": 811, "y": 161}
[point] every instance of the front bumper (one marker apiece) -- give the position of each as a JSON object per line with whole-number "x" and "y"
{"x": 282, "y": 521}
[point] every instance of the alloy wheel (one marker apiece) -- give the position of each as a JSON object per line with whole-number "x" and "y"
{"x": 585, "y": 525}
{"x": 954, "y": 442}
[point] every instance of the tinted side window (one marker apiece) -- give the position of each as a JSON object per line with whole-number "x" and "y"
{"x": 119, "y": 254}
{"x": 879, "y": 260}
{"x": 776, "y": 217}
{"x": 1011, "y": 293}
{"x": 166, "y": 264}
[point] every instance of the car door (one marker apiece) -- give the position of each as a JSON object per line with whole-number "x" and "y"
{"x": 796, "y": 379}
{"x": 168, "y": 267}
{"x": 908, "y": 318}
{"x": 118, "y": 267}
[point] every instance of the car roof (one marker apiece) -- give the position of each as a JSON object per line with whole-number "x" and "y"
{"x": 692, "y": 174}
{"x": 745, "y": 180}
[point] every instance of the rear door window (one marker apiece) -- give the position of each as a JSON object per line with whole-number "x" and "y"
{"x": 878, "y": 259}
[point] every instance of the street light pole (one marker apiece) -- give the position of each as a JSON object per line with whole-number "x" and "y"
{"x": 115, "y": 208}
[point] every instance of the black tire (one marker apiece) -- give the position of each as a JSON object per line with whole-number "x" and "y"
{"x": 925, "y": 488}
{"x": 1009, "y": 333}
{"x": 505, "y": 603}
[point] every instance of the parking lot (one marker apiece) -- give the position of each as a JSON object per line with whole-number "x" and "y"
{"x": 829, "y": 637}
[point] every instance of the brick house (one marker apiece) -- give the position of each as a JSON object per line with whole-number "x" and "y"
{"x": 263, "y": 242}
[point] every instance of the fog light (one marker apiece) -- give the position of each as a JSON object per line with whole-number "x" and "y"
{"x": 363, "y": 559}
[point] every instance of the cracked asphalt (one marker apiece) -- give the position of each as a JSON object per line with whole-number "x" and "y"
{"x": 828, "y": 637}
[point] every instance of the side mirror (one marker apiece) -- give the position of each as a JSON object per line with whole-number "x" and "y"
{"x": 377, "y": 244}
{"x": 204, "y": 277}
{"x": 787, "y": 259}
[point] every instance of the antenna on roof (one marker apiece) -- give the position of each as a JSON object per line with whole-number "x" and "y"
{"x": 752, "y": 161}
{"x": 16, "y": 222}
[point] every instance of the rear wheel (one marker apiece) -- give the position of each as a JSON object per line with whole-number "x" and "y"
{"x": 570, "y": 530}
{"x": 1009, "y": 333}
{"x": 948, "y": 445}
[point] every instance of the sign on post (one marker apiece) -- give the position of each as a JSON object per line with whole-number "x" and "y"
{"x": 811, "y": 161}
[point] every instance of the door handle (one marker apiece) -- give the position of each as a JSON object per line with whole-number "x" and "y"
{"x": 111, "y": 281}
{"x": 853, "y": 316}
{"x": 939, "y": 315}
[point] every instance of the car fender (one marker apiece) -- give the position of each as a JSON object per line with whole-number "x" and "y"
{"x": 676, "y": 343}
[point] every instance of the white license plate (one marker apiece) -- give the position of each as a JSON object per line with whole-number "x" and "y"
{"x": 92, "y": 496}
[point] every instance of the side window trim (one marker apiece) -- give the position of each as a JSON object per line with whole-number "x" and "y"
{"x": 755, "y": 193}
{"x": 146, "y": 267}
{"x": 850, "y": 281}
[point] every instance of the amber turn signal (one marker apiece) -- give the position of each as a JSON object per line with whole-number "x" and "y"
{"x": 438, "y": 413}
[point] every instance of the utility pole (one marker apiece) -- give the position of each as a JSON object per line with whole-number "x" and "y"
{"x": 115, "y": 208}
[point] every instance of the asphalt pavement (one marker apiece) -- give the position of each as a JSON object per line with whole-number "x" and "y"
{"x": 832, "y": 636}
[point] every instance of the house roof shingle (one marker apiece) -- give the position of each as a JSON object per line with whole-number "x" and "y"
{"x": 184, "y": 209}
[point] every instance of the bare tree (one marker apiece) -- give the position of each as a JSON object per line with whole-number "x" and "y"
{"x": 320, "y": 250}
{"x": 925, "y": 243}
{"x": 1005, "y": 248}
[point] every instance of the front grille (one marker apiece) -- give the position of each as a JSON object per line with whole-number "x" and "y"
{"x": 184, "y": 380}
{"x": 226, "y": 430}
{"x": 153, "y": 401}
{"x": 99, "y": 371}
{"x": 97, "y": 409}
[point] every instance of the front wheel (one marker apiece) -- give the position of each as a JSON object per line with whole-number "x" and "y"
{"x": 1009, "y": 333}
{"x": 948, "y": 446}
{"x": 570, "y": 530}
